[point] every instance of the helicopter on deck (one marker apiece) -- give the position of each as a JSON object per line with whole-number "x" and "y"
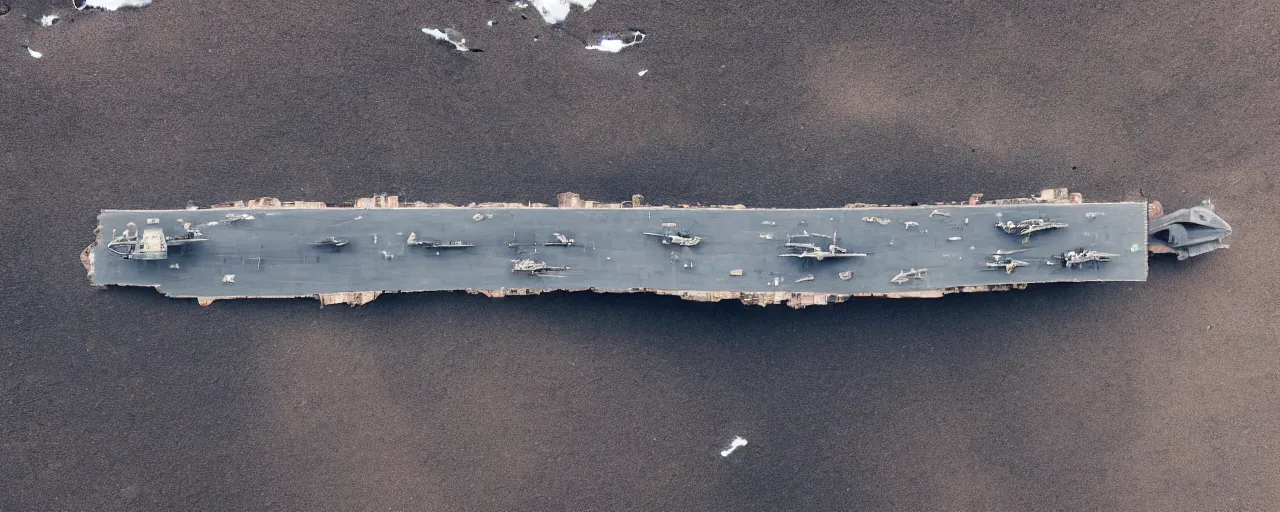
{"x": 1000, "y": 260}
{"x": 534, "y": 268}
{"x": 1028, "y": 227}
{"x": 414, "y": 241}
{"x": 906, "y": 276}
{"x": 671, "y": 236}
{"x": 331, "y": 243}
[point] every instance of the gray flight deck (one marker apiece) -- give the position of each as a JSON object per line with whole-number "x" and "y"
{"x": 270, "y": 256}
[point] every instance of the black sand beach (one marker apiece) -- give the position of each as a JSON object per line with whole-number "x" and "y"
{"x": 1162, "y": 395}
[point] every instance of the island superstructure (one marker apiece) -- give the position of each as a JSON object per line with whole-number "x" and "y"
{"x": 267, "y": 248}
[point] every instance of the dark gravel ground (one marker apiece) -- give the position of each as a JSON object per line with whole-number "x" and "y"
{"x": 1153, "y": 396}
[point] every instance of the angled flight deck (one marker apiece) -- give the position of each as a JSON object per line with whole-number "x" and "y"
{"x": 277, "y": 252}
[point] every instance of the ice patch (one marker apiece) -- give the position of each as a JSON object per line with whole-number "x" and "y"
{"x": 614, "y": 44}
{"x": 111, "y": 5}
{"x": 48, "y": 20}
{"x": 737, "y": 442}
{"x": 555, "y": 11}
{"x": 448, "y": 35}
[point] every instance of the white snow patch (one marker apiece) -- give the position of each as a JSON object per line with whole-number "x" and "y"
{"x": 737, "y": 442}
{"x": 448, "y": 35}
{"x": 614, "y": 44}
{"x": 555, "y": 11}
{"x": 111, "y": 5}
{"x": 34, "y": 53}
{"x": 48, "y": 20}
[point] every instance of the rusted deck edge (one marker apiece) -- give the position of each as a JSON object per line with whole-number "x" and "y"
{"x": 573, "y": 200}
{"x": 796, "y": 300}
{"x": 86, "y": 256}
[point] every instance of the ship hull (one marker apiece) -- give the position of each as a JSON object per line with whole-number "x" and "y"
{"x": 271, "y": 255}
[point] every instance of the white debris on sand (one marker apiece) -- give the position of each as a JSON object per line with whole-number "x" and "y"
{"x": 111, "y": 5}
{"x": 614, "y": 44}
{"x": 34, "y": 53}
{"x": 48, "y": 20}
{"x": 555, "y": 11}
{"x": 448, "y": 35}
{"x": 737, "y": 442}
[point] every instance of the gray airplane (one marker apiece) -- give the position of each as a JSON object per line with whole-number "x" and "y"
{"x": 807, "y": 249}
{"x": 414, "y": 241}
{"x": 152, "y": 244}
{"x": 906, "y": 276}
{"x": 534, "y": 268}
{"x": 1028, "y": 227}
{"x": 670, "y": 236}
{"x": 332, "y": 243}
{"x": 1079, "y": 257}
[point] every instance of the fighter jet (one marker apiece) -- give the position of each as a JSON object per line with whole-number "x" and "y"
{"x": 807, "y": 249}
{"x": 534, "y": 268}
{"x": 1079, "y": 257}
{"x": 329, "y": 243}
{"x": 1028, "y": 227}
{"x": 670, "y": 236}
{"x": 907, "y": 276}
{"x": 413, "y": 241}
{"x": 152, "y": 245}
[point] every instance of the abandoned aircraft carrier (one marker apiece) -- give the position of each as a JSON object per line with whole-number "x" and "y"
{"x": 351, "y": 254}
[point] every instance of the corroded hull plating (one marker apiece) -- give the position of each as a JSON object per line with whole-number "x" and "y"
{"x": 268, "y": 249}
